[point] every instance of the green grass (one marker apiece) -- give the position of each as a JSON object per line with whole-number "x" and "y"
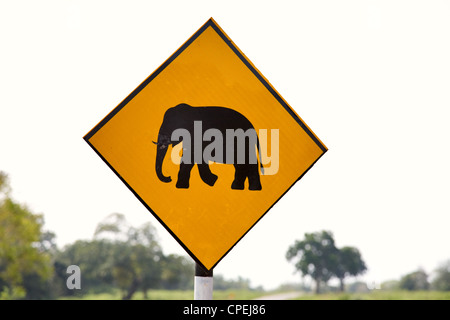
{"x": 380, "y": 295}
{"x": 248, "y": 295}
{"x": 172, "y": 295}
{"x": 236, "y": 294}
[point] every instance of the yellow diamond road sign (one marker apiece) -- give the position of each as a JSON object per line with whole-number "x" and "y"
{"x": 206, "y": 144}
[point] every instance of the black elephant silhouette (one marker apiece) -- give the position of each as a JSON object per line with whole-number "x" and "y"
{"x": 216, "y": 134}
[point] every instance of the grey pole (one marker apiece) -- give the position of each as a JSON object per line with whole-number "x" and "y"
{"x": 203, "y": 283}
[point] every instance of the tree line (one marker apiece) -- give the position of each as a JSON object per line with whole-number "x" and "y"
{"x": 130, "y": 259}
{"x": 419, "y": 280}
{"x": 124, "y": 257}
{"x": 318, "y": 257}
{"x": 118, "y": 257}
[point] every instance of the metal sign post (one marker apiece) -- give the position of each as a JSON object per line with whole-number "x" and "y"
{"x": 203, "y": 283}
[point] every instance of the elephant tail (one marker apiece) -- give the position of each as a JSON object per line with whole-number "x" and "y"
{"x": 259, "y": 153}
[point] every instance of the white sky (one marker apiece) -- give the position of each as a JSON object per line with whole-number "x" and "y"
{"x": 371, "y": 78}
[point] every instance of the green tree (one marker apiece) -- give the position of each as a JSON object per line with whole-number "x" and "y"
{"x": 318, "y": 257}
{"x": 315, "y": 256}
{"x": 4, "y": 185}
{"x": 417, "y": 280}
{"x": 390, "y": 285}
{"x": 94, "y": 257}
{"x": 148, "y": 254}
{"x": 349, "y": 263}
{"x": 23, "y": 257}
{"x": 224, "y": 284}
{"x": 177, "y": 272}
{"x": 135, "y": 254}
{"x": 441, "y": 281}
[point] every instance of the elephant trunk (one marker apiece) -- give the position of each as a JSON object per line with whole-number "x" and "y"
{"x": 160, "y": 154}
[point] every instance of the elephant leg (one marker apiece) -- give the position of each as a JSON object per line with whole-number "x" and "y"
{"x": 205, "y": 173}
{"x": 240, "y": 174}
{"x": 184, "y": 175}
{"x": 254, "y": 182}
